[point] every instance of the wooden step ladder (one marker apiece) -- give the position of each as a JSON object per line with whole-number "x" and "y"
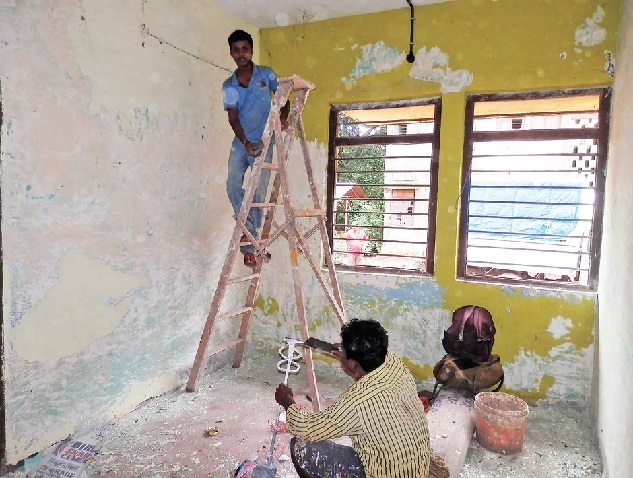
{"x": 294, "y": 222}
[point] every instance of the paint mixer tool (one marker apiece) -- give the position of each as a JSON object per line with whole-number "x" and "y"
{"x": 288, "y": 364}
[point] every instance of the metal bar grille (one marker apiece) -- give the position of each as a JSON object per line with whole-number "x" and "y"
{"x": 382, "y": 179}
{"x": 530, "y": 196}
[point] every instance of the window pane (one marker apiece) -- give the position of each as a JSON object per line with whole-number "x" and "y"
{"x": 532, "y": 198}
{"x": 532, "y": 122}
{"x": 382, "y": 182}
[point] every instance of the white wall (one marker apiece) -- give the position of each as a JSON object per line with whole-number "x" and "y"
{"x": 114, "y": 211}
{"x": 615, "y": 387}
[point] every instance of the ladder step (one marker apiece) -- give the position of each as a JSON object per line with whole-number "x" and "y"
{"x": 309, "y": 212}
{"x": 274, "y": 167}
{"x": 236, "y": 280}
{"x": 263, "y": 204}
{"x": 223, "y": 347}
{"x": 233, "y": 313}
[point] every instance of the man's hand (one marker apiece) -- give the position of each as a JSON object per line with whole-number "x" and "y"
{"x": 284, "y": 396}
{"x": 338, "y": 351}
{"x": 254, "y": 149}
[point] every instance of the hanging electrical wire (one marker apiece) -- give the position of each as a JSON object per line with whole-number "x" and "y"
{"x": 411, "y": 56}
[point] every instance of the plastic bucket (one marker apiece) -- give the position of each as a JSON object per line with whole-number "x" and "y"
{"x": 500, "y": 421}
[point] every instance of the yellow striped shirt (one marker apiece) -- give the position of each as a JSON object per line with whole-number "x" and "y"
{"x": 384, "y": 417}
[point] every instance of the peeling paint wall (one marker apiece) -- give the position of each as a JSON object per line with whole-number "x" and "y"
{"x": 115, "y": 220}
{"x": 545, "y": 337}
{"x": 615, "y": 337}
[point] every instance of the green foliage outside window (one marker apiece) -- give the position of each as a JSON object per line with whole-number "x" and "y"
{"x": 366, "y": 167}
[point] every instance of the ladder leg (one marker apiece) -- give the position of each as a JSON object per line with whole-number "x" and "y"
{"x": 294, "y": 259}
{"x": 213, "y": 311}
{"x": 303, "y": 326}
{"x": 246, "y": 317}
{"x": 334, "y": 294}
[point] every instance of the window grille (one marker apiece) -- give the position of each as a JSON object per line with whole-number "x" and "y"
{"x": 382, "y": 178}
{"x": 532, "y": 197}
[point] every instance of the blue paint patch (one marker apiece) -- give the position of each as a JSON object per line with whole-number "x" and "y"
{"x": 49, "y": 196}
{"x": 32, "y": 461}
{"x": 570, "y": 298}
{"x": 375, "y": 58}
{"x": 162, "y": 308}
{"x": 426, "y": 294}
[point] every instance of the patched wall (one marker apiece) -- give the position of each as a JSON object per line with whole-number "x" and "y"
{"x": 545, "y": 337}
{"x": 115, "y": 220}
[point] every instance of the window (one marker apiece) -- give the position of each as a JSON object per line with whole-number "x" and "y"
{"x": 533, "y": 187}
{"x": 382, "y": 186}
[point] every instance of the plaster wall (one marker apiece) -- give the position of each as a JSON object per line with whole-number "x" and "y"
{"x": 615, "y": 417}
{"x": 114, "y": 215}
{"x": 115, "y": 220}
{"x": 545, "y": 337}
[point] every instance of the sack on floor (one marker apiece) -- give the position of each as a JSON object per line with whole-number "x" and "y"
{"x": 471, "y": 334}
{"x": 462, "y": 373}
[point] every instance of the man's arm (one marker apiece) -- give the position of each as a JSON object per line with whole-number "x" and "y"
{"x": 234, "y": 121}
{"x": 339, "y": 419}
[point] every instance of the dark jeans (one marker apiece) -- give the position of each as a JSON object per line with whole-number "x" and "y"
{"x": 326, "y": 459}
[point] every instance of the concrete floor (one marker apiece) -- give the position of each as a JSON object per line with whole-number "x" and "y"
{"x": 166, "y": 436}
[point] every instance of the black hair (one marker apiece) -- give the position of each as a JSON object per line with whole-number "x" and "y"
{"x": 365, "y": 341}
{"x": 240, "y": 35}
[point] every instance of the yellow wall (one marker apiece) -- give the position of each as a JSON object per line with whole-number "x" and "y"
{"x": 545, "y": 337}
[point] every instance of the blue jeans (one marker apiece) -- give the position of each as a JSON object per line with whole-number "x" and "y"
{"x": 239, "y": 162}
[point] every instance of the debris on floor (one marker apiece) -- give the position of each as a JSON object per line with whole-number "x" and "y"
{"x": 168, "y": 437}
{"x": 558, "y": 443}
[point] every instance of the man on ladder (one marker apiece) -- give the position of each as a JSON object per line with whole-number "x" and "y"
{"x": 247, "y": 96}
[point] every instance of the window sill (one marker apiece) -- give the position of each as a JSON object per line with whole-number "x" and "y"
{"x": 531, "y": 284}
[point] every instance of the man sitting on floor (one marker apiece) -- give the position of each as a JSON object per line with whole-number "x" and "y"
{"x": 381, "y": 413}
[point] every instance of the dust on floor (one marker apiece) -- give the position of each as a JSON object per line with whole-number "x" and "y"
{"x": 166, "y": 436}
{"x": 558, "y": 443}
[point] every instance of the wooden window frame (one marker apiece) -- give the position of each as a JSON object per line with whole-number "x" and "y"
{"x": 433, "y": 139}
{"x": 599, "y": 134}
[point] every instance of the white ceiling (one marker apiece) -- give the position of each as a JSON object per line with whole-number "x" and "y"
{"x": 273, "y": 13}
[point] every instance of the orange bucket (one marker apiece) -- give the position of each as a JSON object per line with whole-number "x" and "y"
{"x": 500, "y": 421}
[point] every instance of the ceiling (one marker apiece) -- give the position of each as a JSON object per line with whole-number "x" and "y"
{"x": 274, "y": 13}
